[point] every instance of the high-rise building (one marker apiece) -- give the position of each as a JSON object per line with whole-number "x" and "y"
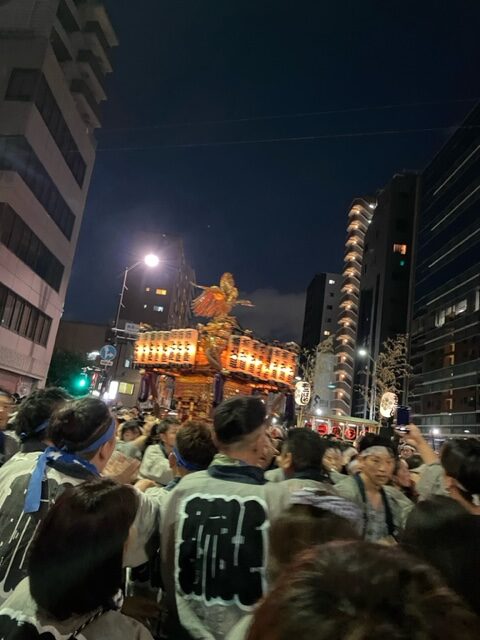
{"x": 445, "y": 335}
{"x": 359, "y": 218}
{"x": 384, "y": 283}
{"x": 160, "y": 296}
{"x": 54, "y": 57}
{"x": 321, "y": 309}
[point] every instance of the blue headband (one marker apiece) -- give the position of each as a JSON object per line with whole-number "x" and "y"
{"x": 41, "y": 427}
{"x": 34, "y": 490}
{"x": 189, "y": 466}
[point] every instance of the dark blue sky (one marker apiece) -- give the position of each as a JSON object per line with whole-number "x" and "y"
{"x": 273, "y": 213}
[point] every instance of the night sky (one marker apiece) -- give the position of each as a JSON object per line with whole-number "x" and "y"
{"x": 273, "y": 213}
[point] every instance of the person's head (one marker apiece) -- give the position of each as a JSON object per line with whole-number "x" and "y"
{"x": 130, "y": 430}
{"x": 302, "y": 450}
{"x": 461, "y": 463}
{"x": 35, "y": 411}
{"x": 79, "y": 424}
{"x": 164, "y": 433}
{"x": 239, "y": 428}
{"x": 361, "y": 591}
{"x": 415, "y": 462}
{"x": 333, "y": 456}
{"x": 75, "y": 562}
{"x": 194, "y": 448}
{"x": 376, "y": 460}
{"x": 313, "y": 518}
{"x": 7, "y": 404}
{"x": 407, "y": 451}
{"x": 446, "y": 535}
{"x": 401, "y": 474}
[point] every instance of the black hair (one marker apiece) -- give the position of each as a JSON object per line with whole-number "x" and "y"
{"x": 373, "y": 440}
{"x": 130, "y": 425}
{"x": 195, "y": 443}
{"x": 364, "y": 591}
{"x": 443, "y": 533}
{"x": 79, "y": 423}
{"x": 159, "y": 428}
{"x": 414, "y": 462}
{"x": 238, "y": 417}
{"x": 461, "y": 461}
{"x": 37, "y": 408}
{"x": 75, "y": 563}
{"x": 306, "y": 447}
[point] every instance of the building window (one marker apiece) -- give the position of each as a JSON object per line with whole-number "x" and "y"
{"x": 331, "y": 282}
{"x": 329, "y": 306}
{"x": 460, "y": 307}
{"x": 23, "y": 243}
{"x": 21, "y": 317}
{"x": 147, "y": 289}
{"x": 127, "y": 364}
{"x": 161, "y": 292}
{"x": 30, "y": 85}
{"x": 329, "y": 319}
{"x": 127, "y": 388}
{"x": 326, "y": 332}
{"x": 144, "y": 306}
{"x": 400, "y": 248}
{"x": 157, "y": 308}
{"x": 331, "y": 294}
{"x": 17, "y": 155}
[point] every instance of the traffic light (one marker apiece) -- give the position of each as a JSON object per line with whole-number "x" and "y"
{"x": 81, "y": 383}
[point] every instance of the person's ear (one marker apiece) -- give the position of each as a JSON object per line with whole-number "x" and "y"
{"x": 285, "y": 461}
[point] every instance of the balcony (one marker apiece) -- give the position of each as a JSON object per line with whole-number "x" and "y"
{"x": 87, "y": 105}
{"x": 91, "y": 65}
{"x": 94, "y": 34}
{"x": 68, "y": 16}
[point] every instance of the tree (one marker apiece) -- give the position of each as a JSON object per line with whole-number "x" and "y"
{"x": 392, "y": 371}
{"x": 66, "y": 369}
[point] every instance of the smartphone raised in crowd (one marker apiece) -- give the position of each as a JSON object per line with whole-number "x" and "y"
{"x": 403, "y": 419}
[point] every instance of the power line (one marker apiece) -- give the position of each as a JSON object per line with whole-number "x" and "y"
{"x": 327, "y": 136}
{"x": 288, "y": 116}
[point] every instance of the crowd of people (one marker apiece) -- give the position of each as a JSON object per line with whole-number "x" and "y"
{"x": 118, "y": 524}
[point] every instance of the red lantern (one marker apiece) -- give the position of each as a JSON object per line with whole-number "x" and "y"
{"x": 350, "y": 433}
{"x": 322, "y": 429}
{"x": 336, "y": 431}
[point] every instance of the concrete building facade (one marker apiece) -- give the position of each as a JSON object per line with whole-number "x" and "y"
{"x": 321, "y": 309}
{"x": 54, "y": 56}
{"x": 384, "y": 283}
{"x": 359, "y": 217}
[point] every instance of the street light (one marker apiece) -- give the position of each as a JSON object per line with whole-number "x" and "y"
{"x": 363, "y": 353}
{"x": 150, "y": 260}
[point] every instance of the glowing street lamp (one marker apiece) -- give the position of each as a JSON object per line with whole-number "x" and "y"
{"x": 150, "y": 260}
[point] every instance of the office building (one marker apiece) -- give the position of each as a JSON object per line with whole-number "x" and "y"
{"x": 321, "y": 309}
{"x": 445, "y": 335}
{"x": 161, "y": 296}
{"x": 384, "y": 283}
{"x": 359, "y": 217}
{"x": 54, "y": 58}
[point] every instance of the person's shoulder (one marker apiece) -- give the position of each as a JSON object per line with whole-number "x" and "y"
{"x": 346, "y": 488}
{"x": 115, "y": 624}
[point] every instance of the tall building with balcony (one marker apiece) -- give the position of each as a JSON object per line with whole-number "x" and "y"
{"x": 359, "y": 218}
{"x": 54, "y": 58}
{"x": 384, "y": 283}
{"x": 445, "y": 336}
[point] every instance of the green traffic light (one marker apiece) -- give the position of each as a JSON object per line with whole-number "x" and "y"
{"x": 82, "y": 382}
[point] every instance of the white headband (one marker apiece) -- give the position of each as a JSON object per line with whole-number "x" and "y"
{"x": 376, "y": 451}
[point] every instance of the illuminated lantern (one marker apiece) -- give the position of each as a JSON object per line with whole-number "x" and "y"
{"x": 303, "y": 392}
{"x": 336, "y": 431}
{"x": 388, "y": 404}
{"x": 322, "y": 429}
{"x": 350, "y": 433}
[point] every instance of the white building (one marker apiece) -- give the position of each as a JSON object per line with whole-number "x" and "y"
{"x": 54, "y": 55}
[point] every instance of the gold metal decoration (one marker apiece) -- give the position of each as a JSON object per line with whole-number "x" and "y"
{"x": 217, "y": 302}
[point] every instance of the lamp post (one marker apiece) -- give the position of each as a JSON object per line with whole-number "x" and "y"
{"x": 363, "y": 353}
{"x": 150, "y": 260}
